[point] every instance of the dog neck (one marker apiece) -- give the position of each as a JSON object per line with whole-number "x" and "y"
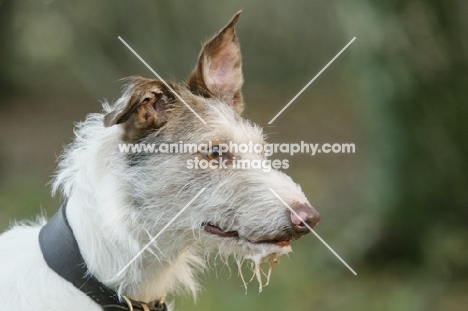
{"x": 106, "y": 226}
{"x": 61, "y": 253}
{"x": 108, "y": 243}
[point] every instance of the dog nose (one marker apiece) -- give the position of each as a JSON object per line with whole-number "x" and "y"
{"x": 303, "y": 213}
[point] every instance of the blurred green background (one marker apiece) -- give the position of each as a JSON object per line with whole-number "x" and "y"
{"x": 396, "y": 210}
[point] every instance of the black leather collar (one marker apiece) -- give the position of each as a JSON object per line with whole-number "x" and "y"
{"x": 62, "y": 254}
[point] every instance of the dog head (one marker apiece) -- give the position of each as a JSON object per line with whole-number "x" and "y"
{"x": 237, "y": 213}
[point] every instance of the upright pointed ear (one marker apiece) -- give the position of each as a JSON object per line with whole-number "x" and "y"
{"x": 219, "y": 69}
{"x": 142, "y": 108}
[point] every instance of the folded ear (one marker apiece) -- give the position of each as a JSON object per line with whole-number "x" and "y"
{"x": 142, "y": 107}
{"x": 219, "y": 69}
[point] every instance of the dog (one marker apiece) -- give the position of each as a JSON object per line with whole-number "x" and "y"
{"x": 118, "y": 202}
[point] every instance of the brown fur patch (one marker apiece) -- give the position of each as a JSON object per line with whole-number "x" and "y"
{"x": 144, "y": 109}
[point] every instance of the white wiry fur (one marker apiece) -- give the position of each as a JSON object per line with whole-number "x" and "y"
{"x": 117, "y": 202}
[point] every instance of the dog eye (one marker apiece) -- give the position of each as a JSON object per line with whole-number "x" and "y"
{"x": 214, "y": 153}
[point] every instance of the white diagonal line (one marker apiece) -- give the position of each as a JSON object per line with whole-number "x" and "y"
{"x": 313, "y": 79}
{"x": 315, "y": 233}
{"x": 160, "y": 232}
{"x": 162, "y": 80}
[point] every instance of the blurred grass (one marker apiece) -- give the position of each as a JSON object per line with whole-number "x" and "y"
{"x": 312, "y": 279}
{"x": 23, "y": 198}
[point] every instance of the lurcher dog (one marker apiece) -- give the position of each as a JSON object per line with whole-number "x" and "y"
{"x": 117, "y": 202}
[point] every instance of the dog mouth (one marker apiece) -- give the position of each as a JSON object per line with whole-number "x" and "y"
{"x": 215, "y": 230}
